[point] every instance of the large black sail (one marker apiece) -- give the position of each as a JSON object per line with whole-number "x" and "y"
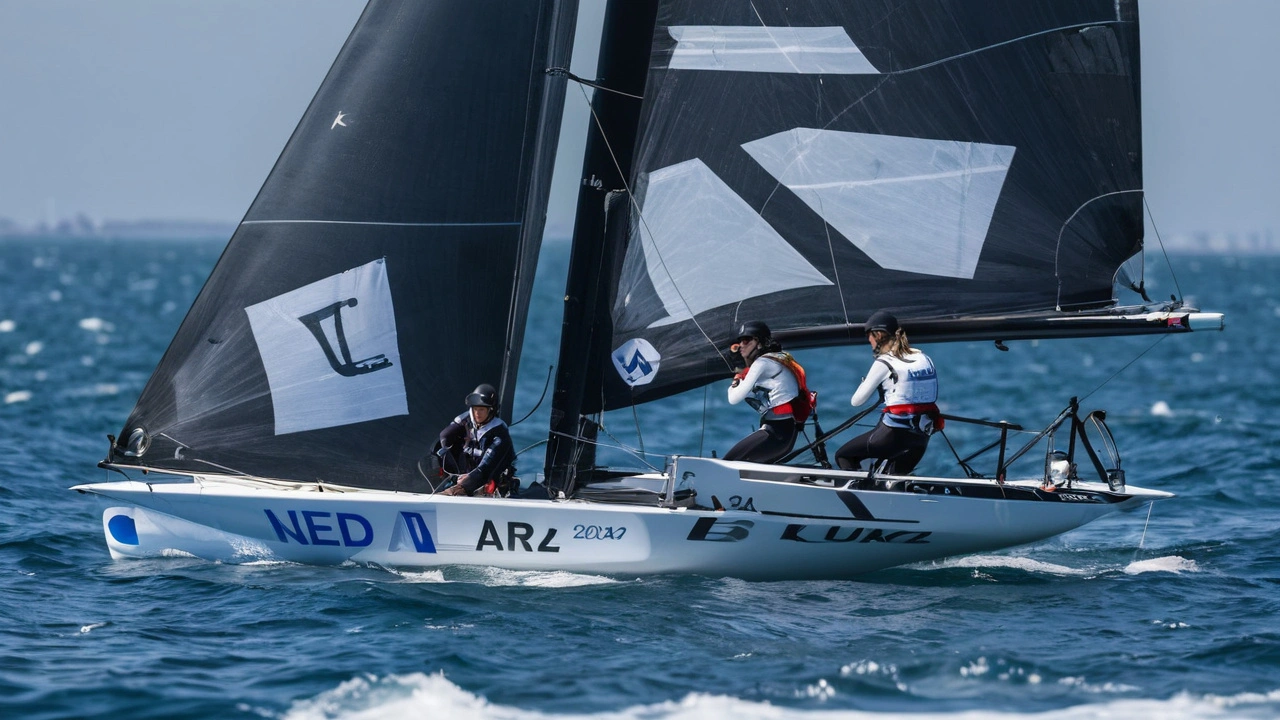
{"x": 807, "y": 163}
{"x": 384, "y": 269}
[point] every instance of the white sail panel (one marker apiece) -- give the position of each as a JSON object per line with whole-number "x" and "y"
{"x": 330, "y": 351}
{"x": 801, "y": 50}
{"x": 911, "y": 204}
{"x": 705, "y": 247}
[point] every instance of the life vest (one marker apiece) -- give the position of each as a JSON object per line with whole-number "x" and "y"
{"x": 911, "y": 393}
{"x": 801, "y": 406}
{"x": 911, "y": 382}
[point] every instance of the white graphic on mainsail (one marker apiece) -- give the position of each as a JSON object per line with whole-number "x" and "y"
{"x": 800, "y": 50}
{"x": 636, "y": 361}
{"x": 705, "y": 247}
{"x": 911, "y": 204}
{"x": 338, "y": 120}
{"x": 330, "y": 351}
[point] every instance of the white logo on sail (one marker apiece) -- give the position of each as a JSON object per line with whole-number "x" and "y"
{"x": 338, "y": 120}
{"x": 705, "y": 247}
{"x": 911, "y": 204}
{"x": 636, "y": 361}
{"x": 776, "y": 49}
{"x": 331, "y": 352}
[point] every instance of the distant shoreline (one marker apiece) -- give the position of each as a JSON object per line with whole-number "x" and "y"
{"x": 1260, "y": 242}
{"x": 83, "y": 227}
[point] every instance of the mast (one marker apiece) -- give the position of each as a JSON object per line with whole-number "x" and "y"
{"x": 587, "y": 327}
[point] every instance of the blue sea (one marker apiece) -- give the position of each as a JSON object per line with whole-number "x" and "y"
{"x": 1170, "y": 611}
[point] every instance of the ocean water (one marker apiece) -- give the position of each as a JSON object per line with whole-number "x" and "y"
{"x": 1173, "y": 613}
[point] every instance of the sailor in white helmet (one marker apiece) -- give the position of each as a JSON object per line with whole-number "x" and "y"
{"x": 908, "y": 385}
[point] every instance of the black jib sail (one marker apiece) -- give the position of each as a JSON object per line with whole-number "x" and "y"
{"x": 974, "y": 166}
{"x": 384, "y": 269}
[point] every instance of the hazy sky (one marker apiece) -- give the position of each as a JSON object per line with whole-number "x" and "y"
{"x": 135, "y": 109}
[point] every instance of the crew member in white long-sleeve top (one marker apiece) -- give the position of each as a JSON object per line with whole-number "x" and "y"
{"x": 770, "y": 386}
{"x": 908, "y": 383}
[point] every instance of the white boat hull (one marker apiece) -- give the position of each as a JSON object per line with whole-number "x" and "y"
{"x": 777, "y": 522}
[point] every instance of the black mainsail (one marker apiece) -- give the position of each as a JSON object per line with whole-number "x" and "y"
{"x": 384, "y": 268}
{"x": 974, "y": 166}
{"x": 810, "y": 163}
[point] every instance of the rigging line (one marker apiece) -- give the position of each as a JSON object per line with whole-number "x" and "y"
{"x": 835, "y": 270}
{"x": 550, "y": 369}
{"x": 799, "y": 155}
{"x": 642, "y": 456}
{"x": 785, "y": 55}
{"x": 884, "y": 77}
{"x": 233, "y": 471}
{"x": 1159, "y": 340}
{"x": 635, "y": 414}
{"x": 1160, "y": 241}
{"x": 1011, "y": 41}
{"x": 702, "y": 436}
{"x": 1057, "y": 251}
{"x": 631, "y": 198}
{"x": 530, "y": 447}
{"x": 1143, "y": 539}
{"x": 564, "y": 72}
{"x": 584, "y": 441}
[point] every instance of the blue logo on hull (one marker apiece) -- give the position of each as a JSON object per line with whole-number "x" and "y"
{"x": 354, "y": 529}
{"x": 413, "y": 531}
{"x": 123, "y": 529}
{"x": 414, "y": 526}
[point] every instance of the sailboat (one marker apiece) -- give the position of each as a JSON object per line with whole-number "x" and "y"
{"x": 976, "y": 167}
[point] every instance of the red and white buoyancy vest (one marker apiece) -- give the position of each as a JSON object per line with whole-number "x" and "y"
{"x": 768, "y": 385}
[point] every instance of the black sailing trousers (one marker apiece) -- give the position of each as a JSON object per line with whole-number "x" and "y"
{"x": 902, "y": 447}
{"x": 774, "y": 439}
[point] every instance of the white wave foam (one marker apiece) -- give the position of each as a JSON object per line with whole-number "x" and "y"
{"x": 499, "y": 577}
{"x": 419, "y": 695}
{"x": 243, "y": 548}
{"x": 1161, "y": 409}
{"x": 419, "y": 576}
{"x": 7, "y": 325}
{"x": 1004, "y": 561}
{"x": 33, "y": 347}
{"x": 17, "y": 396}
{"x": 176, "y": 553}
{"x": 91, "y": 627}
{"x": 405, "y": 696}
{"x": 95, "y": 391}
{"x": 1169, "y": 563}
{"x": 820, "y": 691}
{"x": 96, "y": 324}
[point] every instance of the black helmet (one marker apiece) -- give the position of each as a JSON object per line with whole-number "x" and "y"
{"x": 755, "y": 329}
{"x": 881, "y": 320}
{"x": 484, "y": 395}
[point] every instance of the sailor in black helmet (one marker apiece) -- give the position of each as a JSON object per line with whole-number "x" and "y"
{"x": 908, "y": 384}
{"x": 477, "y": 444}
{"x": 769, "y": 384}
